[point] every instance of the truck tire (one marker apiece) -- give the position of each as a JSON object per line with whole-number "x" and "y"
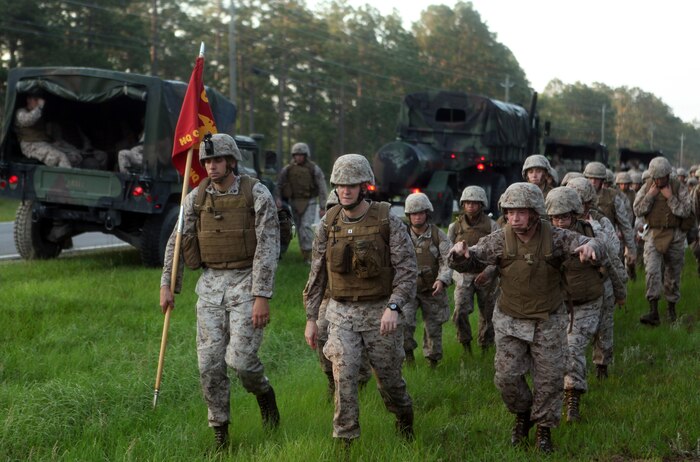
{"x": 30, "y": 236}
{"x": 154, "y": 236}
{"x": 444, "y": 209}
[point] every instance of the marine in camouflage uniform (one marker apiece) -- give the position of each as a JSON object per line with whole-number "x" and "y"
{"x": 35, "y": 142}
{"x": 364, "y": 255}
{"x": 302, "y": 183}
{"x": 470, "y": 226}
{"x": 131, "y": 160}
{"x": 432, "y": 247}
{"x": 614, "y": 283}
{"x": 538, "y": 171}
{"x": 666, "y": 207}
{"x": 530, "y": 316}
{"x": 322, "y": 338}
{"x": 583, "y": 288}
{"x": 236, "y": 282}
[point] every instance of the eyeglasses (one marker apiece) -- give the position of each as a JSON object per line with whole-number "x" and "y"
{"x": 208, "y": 144}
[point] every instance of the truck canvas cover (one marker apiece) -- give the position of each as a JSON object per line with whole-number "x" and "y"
{"x": 127, "y": 92}
{"x": 425, "y": 116}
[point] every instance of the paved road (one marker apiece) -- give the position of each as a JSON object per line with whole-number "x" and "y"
{"x": 87, "y": 241}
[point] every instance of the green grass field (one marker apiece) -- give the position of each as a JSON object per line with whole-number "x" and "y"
{"x": 79, "y": 347}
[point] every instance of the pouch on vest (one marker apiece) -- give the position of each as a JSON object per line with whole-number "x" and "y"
{"x": 662, "y": 238}
{"x": 426, "y": 279}
{"x": 341, "y": 257}
{"x": 365, "y": 259}
{"x": 190, "y": 251}
{"x": 287, "y": 191}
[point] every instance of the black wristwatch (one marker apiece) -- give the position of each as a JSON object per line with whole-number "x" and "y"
{"x": 394, "y": 307}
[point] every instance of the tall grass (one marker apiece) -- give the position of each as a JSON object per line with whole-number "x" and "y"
{"x": 8, "y": 209}
{"x": 79, "y": 343}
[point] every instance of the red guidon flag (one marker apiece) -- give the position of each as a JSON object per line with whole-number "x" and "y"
{"x": 195, "y": 121}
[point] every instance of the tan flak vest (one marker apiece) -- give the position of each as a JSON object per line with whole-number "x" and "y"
{"x": 530, "y": 275}
{"x": 358, "y": 258}
{"x": 661, "y": 216}
{"x": 606, "y": 203}
{"x": 35, "y": 133}
{"x": 428, "y": 264}
{"x": 582, "y": 281}
{"x": 226, "y": 226}
{"x": 301, "y": 181}
{"x": 472, "y": 233}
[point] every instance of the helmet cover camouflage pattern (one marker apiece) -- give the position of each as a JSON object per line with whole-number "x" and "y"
{"x": 680, "y": 171}
{"x": 417, "y": 202}
{"x": 692, "y": 181}
{"x": 536, "y": 161}
{"x": 636, "y": 177}
{"x": 351, "y": 169}
{"x": 301, "y": 148}
{"x": 475, "y": 194}
{"x": 523, "y": 196}
{"x": 645, "y": 175}
{"x": 220, "y": 145}
{"x": 609, "y": 176}
{"x": 659, "y": 167}
{"x": 563, "y": 200}
{"x": 569, "y": 176}
{"x": 332, "y": 199}
{"x": 585, "y": 190}
{"x": 595, "y": 170}
{"x": 623, "y": 178}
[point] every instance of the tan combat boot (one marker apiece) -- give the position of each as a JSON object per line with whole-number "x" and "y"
{"x": 543, "y": 440}
{"x": 521, "y": 428}
{"x": 221, "y": 436}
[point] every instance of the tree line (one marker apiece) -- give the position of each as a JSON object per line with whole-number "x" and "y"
{"x": 333, "y": 77}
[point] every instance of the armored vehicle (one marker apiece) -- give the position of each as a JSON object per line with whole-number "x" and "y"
{"x": 113, "y": 110}
{"x": 572, "y": 156}
{"x": 449, "y": 140}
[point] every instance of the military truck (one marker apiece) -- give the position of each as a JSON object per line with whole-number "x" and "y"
{"x": 572, "y": 156}
{"x": 113, "y": 110}
{"x": 449, "y": 140}
{"x": 636, "y": 159}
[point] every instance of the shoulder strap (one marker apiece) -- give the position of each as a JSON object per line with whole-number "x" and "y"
{"x": 547, "y": 238}
{"x": 332, "y": 216}
{"x": 384, "y": 208}
{"x": 511, "y": 243}
{"x": 201, "y": 194}
{"x": 247, "y": 184}
{"x": 435, "y": 235}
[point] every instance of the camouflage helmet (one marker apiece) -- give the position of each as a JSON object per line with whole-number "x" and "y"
{"x": 417, "y": 202}
{"x": 523, "y": 196}
{"x": 536, "y": 161}
{"x": 680, "y": 171}
{"x": 563, "y": 200}
{"x": 218, "y": 145}
{"x": 636, "y": 177}
{"x": 692, "y": 181}
{"x": 301, "y": 148}
{"x": 623, "y": 178}
{"x": 609, "y": 176}
{"x": 595, "y": 170}
{"x": 585, "y": 190}
{"x": 332, "y": 199}
{"x": 659, "y": 167}
{"x": 569, "y": 176}
{"x": 350, "y": 169}
{"x": 475, "y": 194}
{"x": 645, "y": 175}
{"x": 692, "y": 170}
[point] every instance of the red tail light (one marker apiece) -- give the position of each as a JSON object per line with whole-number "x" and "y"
{"x": 371, "y": 188}
{"x": 453, "y": 156}
{"x": 480, "y": 167}
{"x": 14, "y": 179}
{"x": 415, "y": 190}
{"x": 137, "y": 191}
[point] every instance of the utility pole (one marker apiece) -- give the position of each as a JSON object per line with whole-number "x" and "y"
{"x": 232, "y": 52}
{"x": 154, "y": 37}
{"x": 681, "y": 156}
{"x": 507, "y": 85}
{"x": 602, "y": 125}
{"x": 651, "y": 134}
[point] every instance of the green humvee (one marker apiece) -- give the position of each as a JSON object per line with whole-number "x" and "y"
{"x": 113, "y": 110}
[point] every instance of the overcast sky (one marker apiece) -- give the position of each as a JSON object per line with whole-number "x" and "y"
{"x": 640, "y": 43}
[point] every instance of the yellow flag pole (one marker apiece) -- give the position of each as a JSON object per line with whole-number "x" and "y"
{"x": 173, "y": 276}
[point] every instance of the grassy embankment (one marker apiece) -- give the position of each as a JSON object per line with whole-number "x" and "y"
{"x": 80, "y": 338}
{"x": 8, "y": 208}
